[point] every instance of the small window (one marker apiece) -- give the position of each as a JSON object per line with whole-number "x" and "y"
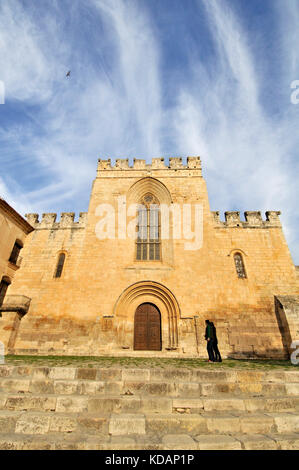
{"x": 60, "y": 264}
{"x": 3, "y": 288}
{"x": 15, "y": 253}
{"x": 240, "y": 268}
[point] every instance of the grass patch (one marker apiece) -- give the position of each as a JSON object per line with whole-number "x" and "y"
{"x": 145, "y": 362}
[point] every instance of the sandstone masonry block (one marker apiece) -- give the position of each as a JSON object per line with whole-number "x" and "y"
{"x": 127, "y": 424}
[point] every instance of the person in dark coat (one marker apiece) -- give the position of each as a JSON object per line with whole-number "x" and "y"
{"x": 209, "y": 339}
{"x": 216, "y": 351}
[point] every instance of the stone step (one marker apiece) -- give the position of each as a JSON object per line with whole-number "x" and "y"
{"x": 147, "y": 424}
{"x": 168, "y": 442}
{"x": 110, "y": 403}
{"x": 173, "y": 389}
{"x": 171, "y": 375}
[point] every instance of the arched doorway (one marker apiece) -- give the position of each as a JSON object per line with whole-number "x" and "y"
{"x": 147, "y": 328}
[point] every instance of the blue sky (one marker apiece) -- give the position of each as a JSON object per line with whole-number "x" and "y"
{"x": 150, "y": 78}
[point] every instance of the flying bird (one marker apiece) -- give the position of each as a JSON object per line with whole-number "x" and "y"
{"x": 68, "y": 74}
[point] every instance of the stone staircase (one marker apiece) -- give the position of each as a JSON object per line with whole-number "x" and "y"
{"x": 152, "y": 409}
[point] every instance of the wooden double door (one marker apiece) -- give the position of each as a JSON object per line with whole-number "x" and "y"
{"x": 147, "y": 328}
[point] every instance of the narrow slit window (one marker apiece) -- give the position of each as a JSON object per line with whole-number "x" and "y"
{"x": 240, "y": 268}
{"x": 148, "y": 238}
{"x": 15, "y": 253}
{"x": 3, "y": 288}
{"x": 60, "y": 265}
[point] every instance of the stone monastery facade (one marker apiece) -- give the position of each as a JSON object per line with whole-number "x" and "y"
{"x": 92, "y": 288}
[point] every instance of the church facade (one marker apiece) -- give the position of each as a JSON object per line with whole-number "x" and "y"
{"x": 142, "y": 270}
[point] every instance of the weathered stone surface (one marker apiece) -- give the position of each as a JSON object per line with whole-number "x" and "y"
{"x": 151, "y": 388}
{"x": 65, "y": 387}
{"x": 195, "y": 404}
{"x": 93, "y": 444}
{"x": 86, "y": 374}
{"x": 212, "y": 376}
{"x": 23, "y": 370}
{"x": 14, "y": 385}
{"x": 8, "y": 421}
{"x": 259, "y": 424}
{"x": 248, "y": 376}
{"x": 208, "y": 389}
{"x": 275, "y": 376}
{"x": 287, "y": 442}
{"x": 104, "y": 405}
{"x": 114, "y": 388}
{"x": 127, "y": 424}
{"x": 222, "y": 423}
{"x": 90, "y": 388}
{"x": 156, "y": 405}
{"x": 178, "y": 442}
{"x": 109, "y": 374}
{"x": 248, "y": 387}
{"x": 31, "y": 403}
{"x": 172, "y": 424}
{"x": 256, "y": 442}
{"x": 33, "y": 444}
{"x": 130, "y": 404}
{"x": 285, "y": 422}
{"x": 292, "y": 389}
{"x": 223, "y": 404}
{"x": 93, "y": 424}
{"x": 176, "y": 375}
{"x": 5, "y": 371}
{"x": 72, "y": 404}
{"x": 136, "y": 375}
{"x": 41, "y": 386}
{"x": 188, "y": 389}
{"x": 33, "y": 424}
{"x": 217, "y": 442}
{"x": 86, "y": 416}
{"x": 41, "y": 372}
{"x": 121, "y": 443}
{"x": 273, "y": 389}
{"x": 63, "y": 373}
{"x": 292, "y": 377}
{"x": 9, "y": 444}
{"x": 62, "y": 424}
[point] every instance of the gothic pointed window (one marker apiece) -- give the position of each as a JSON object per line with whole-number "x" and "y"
{"x": 60, "y": 265}
{"x": 148, "y": 243}
{"x": 239, "y": 263}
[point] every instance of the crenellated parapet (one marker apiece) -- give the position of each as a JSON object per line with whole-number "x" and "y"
{"x": 175, "y": 163}
{"x": 253, "y": 219}
{"x": 48, "y": 221}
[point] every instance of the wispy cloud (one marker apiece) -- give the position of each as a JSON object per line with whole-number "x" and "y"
{"x": 101, "y": 110}
{"x": 250, "y": 155}
{"x": 229, "y": 103}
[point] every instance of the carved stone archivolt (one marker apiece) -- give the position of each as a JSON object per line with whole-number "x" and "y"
{"x": 146, "y": 186}
{"x": 151, "y": 292}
